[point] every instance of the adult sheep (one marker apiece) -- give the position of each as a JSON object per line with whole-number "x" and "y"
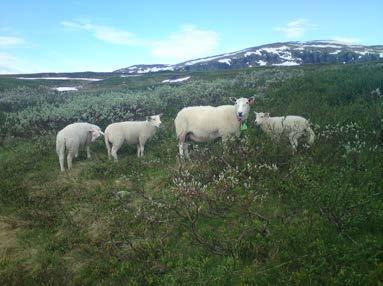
{"x": 131, "y": 132}
{"x": 72, "y": 138}
{"x": 293, "y": 127}
{"x": 205, "y": 123}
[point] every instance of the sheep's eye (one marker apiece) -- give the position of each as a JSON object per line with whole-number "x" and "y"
{"x": 247, "y": 102}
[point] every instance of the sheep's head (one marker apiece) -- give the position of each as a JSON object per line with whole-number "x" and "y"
{"x": 242, "y": 107}
{"x": 260, "y": 117}
{"x": 96, "y": 132}
{"x": 155, "y": 119}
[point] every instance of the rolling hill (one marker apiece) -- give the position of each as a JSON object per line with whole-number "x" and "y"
{"x": 275, "y": 54}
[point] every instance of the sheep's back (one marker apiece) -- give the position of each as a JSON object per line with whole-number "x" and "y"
{"x": 129, "y": 131}
{"x": 296, "y": 121}
{"x": 207, "y": 119}
{"x": 75, "y": 134}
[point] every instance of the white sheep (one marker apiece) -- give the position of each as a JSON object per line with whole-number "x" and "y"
{"x": 130, "y": 132}
{"x": 205, "y": 123}
{"x": 72, "y": 138}
{"x": 293, "y": 127}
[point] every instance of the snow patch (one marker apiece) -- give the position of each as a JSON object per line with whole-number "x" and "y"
{"x": 201, "y": 60}
{"x": 323, "y": 46}
{"x": 176, "y": 80}
{"x": 62, "y": 78}
{"x": 65, "y": 88}
{"x": 275, "y": 50}
{"x": 287, "y": 56}
{"x": 362, "y": 53}
{"x": 261, "y": 63}
{"x": 287, "y": 63}
{"x": 257, "y": 52}
{"x": 129, "y": 75}
{"x": 225, "y": 61}
{"x": 335, "y": 52}
{"x": 136, "y": 69}
{"x": 189, "y": 63}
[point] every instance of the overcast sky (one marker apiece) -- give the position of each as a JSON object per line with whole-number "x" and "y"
{"x": 69, "y": 36}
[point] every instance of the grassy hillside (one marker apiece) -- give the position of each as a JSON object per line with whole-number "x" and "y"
{"x": 251, "y": 214}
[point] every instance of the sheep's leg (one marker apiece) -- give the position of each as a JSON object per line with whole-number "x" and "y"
{"x": 142, "y": 147}
{"x": 138, "y": 150}
{"x": 225, "y": 139}
{"x": 185, "y": 149}
{"x": 294, "y": 142}
{"x": 108, "y": 147}
{"x": 88, "y": 152}
{"x": 110, "y": 153}
{"x": 61, "y": 159}
{"x": 115, "y": 148}
{"x": 69, "y": 160}
{"x": 181, "y": 144}
{"x": 181, "y": 149}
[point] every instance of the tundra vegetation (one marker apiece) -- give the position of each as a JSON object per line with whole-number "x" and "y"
{"x": 251, "y": 215}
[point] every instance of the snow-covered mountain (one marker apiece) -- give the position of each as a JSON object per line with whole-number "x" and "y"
{"x": 276, "y": 54}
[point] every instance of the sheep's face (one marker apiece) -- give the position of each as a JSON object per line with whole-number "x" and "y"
{"x": 155, "y": 120}
{"x": 96, "y": 133}
{"x": 261, "y": 117}
{"x": 242, "y": 107}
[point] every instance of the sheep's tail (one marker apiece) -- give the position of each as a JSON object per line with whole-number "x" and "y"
{"x": 180, "y": 129}
{"x": 60, "y": 150}
{"x": 311, "y": 135}
{"x": 60, "y": 145}
{"x": 107, "y": 143}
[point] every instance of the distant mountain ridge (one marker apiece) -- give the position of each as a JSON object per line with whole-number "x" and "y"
{"x": 276, "y": 54}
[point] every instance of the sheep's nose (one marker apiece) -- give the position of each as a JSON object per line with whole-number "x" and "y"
{"x": 240, "y": 114}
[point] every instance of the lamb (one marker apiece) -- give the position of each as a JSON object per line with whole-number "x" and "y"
{"x": 131, "y": 132}
{"x": 294, "y": 127}
{"x": 72, "y": 138}
{"x": 205, "y": 123}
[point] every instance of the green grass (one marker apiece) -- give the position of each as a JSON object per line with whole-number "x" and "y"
{"x": 250, "y": 214}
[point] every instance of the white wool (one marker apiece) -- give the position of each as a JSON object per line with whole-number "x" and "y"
{"x": 205, "y": 123}
{"x": 130, "y": 132}
{"x": 293, "y": 127}
{"x": 74, "y": 137}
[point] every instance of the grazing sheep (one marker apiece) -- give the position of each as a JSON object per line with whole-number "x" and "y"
{"x": 205, "y": 123}
{"x": 131, "y": 132}
{"x": 294, "y": 127}
{"x": 72, "y": 138}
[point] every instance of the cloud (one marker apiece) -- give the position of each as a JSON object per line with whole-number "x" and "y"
{"x": 9, "y": 64}
{"x": 346, "y": 40}
{"x": 190, "y": 42}
{"x": 7, "y": 41}
{"x": 186, "y": 43}
{"x": 105, "y": 33}
{"x": 296, "y": 28}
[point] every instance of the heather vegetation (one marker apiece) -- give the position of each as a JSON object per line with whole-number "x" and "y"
{"x": 247, "y": 214}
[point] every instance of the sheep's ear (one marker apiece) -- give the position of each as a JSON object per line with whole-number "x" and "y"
{"x": 160, "y": 114}
{"x": 251, "y": 100}
{"x": 147, "y": 118}
{"x": 233, "y": 99}
{"x": 267, "y": 114}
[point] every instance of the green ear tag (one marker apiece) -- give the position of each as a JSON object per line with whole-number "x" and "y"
{"x": 243, "y": 126}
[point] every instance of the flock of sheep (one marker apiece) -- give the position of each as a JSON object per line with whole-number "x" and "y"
{"x": 192, "y": 124}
